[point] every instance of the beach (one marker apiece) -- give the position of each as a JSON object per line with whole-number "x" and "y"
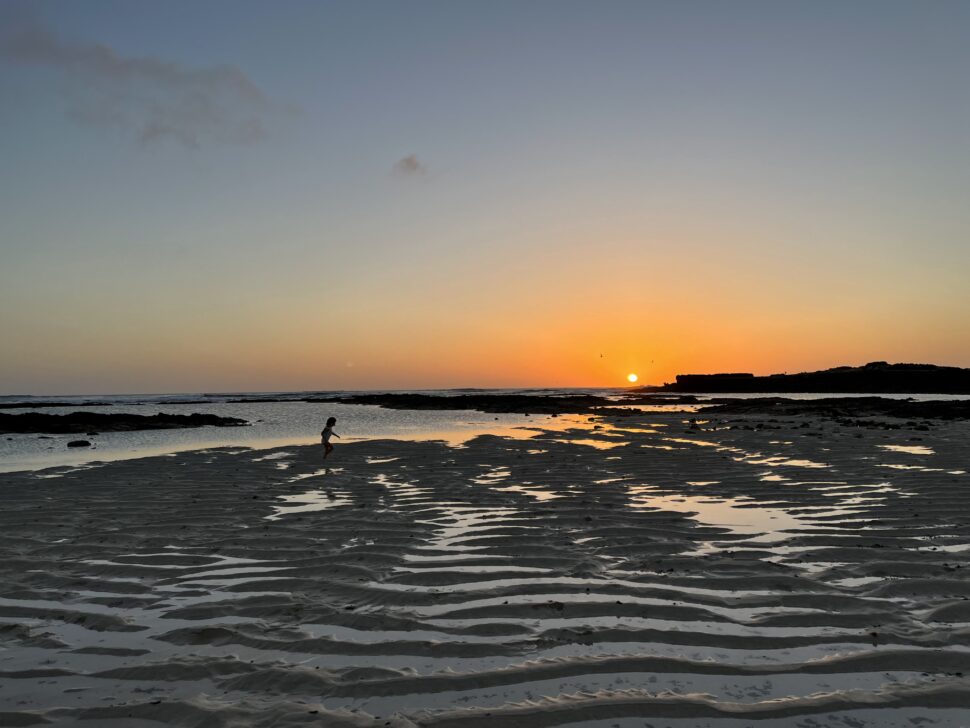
{"x": 606, "y": 571}
{"x": 485, "y": 364}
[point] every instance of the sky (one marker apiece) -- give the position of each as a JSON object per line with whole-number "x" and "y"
{"x": 247, "y": 196}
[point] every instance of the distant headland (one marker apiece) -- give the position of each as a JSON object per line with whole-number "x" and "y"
{"x": 877, "y": 377}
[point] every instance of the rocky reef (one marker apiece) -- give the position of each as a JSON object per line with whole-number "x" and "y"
{"x": 875, "y": 377}
{"x": 492, "y": 403}
{"x": 77, "y": 422}
{"x": 844, "y": 407}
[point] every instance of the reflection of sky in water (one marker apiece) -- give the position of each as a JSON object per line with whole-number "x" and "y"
{"x": 273, "y": 456}
{"x": 909, "y": 449}
{"x": 900, "y": 466}
{"x": 313, "y": 500}
{"x": 496, "y": 476}
{"x": 765, "y": 527}
{"x": 790, "y": 462}
{"x": 738, "y": 515}
{"x": 492, "y": 476}
{"x": 458, "y": 523}
{"x": 538, "y": 493}
{"x": 319, "y": 473}
{"x": 598, "y": 444}
{"x": 274, "y": 424}
{"x": 288, "y": 423}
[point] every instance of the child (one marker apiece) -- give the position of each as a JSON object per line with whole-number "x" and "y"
{"x": 325, "y": 436}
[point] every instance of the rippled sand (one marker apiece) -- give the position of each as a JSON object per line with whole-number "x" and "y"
{"x": 791, "y": 572}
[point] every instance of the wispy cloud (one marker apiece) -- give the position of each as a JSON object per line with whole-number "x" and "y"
{"x": 410, "y": 166}
{"x": 152, "y": 99}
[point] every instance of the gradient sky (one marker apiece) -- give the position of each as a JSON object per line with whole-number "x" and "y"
{"x": 215, "y": 196}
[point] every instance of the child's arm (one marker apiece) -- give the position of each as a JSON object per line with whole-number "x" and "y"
{"x": 335, "y": 434}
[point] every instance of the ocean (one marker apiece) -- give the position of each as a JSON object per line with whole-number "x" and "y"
{"x": 277, "y": 423}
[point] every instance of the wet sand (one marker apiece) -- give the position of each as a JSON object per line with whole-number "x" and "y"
{"x": 793, "y": 571}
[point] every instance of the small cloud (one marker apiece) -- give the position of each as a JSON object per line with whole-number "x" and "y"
{"x": 151, "y": 98}
{"x": 410, "y": 166}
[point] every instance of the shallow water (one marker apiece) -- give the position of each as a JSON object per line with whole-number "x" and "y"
{"x": 720, "y": 578}
{"x": 274, "y": 424}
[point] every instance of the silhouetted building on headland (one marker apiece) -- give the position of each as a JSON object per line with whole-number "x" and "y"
{"x": 875, "y": 377}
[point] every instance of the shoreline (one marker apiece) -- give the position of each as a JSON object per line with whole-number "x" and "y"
{"x": 279, "y": 422}
{"x": 273, "y": 425}
{"x": 619, "y": 567}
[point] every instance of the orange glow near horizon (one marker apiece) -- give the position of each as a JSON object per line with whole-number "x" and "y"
{"x": 543, "y": 231}
{"x": 538, "y": 332}
{"x": 521, "y": 340}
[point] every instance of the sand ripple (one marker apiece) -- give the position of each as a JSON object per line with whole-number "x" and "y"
{"x": 780, "y": 571}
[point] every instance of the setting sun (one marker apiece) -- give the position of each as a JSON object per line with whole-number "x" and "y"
{"x": 631, "y": 378}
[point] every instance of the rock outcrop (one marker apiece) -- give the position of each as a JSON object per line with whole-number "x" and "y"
{"x": 78, "y": 422}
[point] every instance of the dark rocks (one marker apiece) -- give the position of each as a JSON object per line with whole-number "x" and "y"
{"x": 79, "y": 443}
{"x": 27, "y": 404}
{"x": 492, "y": 403}
{"x": 878, "y": 377}
{"x": 640, "y": 397}
{"x": 844, "y": 408}
{"x": 84, "y": 422}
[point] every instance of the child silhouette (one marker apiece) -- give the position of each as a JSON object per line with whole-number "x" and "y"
{"x": 326, "y": 434}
